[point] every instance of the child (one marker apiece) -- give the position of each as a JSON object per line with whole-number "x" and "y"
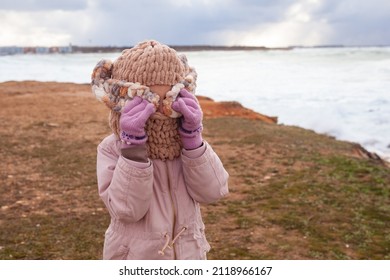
{"x": 155, "y": 168}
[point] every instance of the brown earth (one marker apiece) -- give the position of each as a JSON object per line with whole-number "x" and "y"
{"x": 284, "y": 181}
{"x": 212, "y": 109}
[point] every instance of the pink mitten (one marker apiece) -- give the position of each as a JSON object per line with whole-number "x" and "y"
{"x": 133, "y": 119}
{"x": 191, "y": 121}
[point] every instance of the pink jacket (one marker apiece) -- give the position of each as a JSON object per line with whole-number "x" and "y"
{"x": 154, "y": 206}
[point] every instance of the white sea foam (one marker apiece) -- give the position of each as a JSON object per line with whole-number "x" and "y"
{"x": 344, "y": 92}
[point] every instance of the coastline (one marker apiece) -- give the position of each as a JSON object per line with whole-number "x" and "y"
{"x": 179, "y": 48}
{"x": 12, "y": 50}
{"x": 339, "y": 114}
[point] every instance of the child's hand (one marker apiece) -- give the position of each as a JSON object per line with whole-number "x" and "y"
{"x": 133, "y": 119}
{"x": 191, "y": 122}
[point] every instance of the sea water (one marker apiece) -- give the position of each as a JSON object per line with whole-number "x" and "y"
{"x": 342, "y": 92}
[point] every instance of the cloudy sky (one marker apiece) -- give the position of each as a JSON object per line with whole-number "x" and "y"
{"x": 270, "y": 23}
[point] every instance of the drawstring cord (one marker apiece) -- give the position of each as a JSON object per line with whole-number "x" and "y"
{"x": 167, "y": 245}
{"x": 178, "y": 235}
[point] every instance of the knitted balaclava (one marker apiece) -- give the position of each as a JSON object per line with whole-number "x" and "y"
{"x": 133, "y": 72}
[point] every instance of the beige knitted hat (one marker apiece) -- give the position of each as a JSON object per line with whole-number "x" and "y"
{"x": 146, "y": 64}
{"x": 149, "y": 63}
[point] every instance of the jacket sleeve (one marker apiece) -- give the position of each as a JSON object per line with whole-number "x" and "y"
{"x": 205, "y": 177}
{"x": 124, "y": 187}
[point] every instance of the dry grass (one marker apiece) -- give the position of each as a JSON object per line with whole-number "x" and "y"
{"x": 294, "y": 194}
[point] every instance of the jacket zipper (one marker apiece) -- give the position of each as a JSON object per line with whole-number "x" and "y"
{"x": 174, "y": 213}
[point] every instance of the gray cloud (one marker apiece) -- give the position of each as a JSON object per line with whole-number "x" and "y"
{"x": 356, "y": 22}
{"x": 118, "y": 22}
{"x": 131, "y": 21}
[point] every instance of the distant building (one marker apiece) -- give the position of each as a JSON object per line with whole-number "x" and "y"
{"x": 67, "y": 49}
{"x": 41, "y": 50}
{"x": 13, "y": 50}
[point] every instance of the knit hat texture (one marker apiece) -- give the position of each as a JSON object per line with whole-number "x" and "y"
{"x": 149, "y": 63}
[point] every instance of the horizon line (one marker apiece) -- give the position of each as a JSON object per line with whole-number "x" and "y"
{"x": 204, "y": 45}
